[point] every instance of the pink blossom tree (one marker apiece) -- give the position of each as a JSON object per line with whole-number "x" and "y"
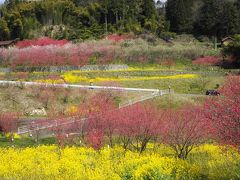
{"x": 8, "y": 124}
{"x": 184, "y": 129}
{"x": 98, "y": 111}
{"x": 138, "y": 125}
{"x": 224, "y": 113}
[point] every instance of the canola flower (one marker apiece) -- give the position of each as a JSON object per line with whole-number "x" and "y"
{"x": 15, "y": 136}
{"x": 130, "y": 69}
{"x": 219, "y": 161}
{"x": 71, "y": 77}
{"x": 51, "y": 162}
{"x": 71, "y": 109}
{"x": 76, "y": 77}
{"x": 51, "y": 81}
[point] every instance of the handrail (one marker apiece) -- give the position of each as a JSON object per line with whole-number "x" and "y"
{"x": 33, "y": 127}
{"x": 21, "y": 83}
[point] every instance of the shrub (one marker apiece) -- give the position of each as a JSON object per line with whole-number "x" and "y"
{"x": 208, "y": 60}
{"x": 60, "y": 53}
{"x": 167, "y": 35}
{"x": 150, "y": 38}
{"x": 118, "y": 38}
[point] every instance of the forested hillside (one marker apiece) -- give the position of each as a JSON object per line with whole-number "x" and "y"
{"x": 84, "y": 19}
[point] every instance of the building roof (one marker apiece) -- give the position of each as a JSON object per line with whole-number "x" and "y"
{"x": 227, "y": 39}
{"x": 6, "y": 43}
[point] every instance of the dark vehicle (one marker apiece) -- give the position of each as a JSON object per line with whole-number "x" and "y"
{"x": 212, "y": 93}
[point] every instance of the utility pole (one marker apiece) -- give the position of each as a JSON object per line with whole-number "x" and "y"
{"x": 215, "y": 42}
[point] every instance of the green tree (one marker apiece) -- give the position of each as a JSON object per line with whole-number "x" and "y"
{"x": 81, "y": 18}
{"x": 11, "y": 4}
{"x": 180, "y": 15}
{"x": 105, "y": 10}
{"x": 237, "y": 5}
{"x": 149, "y": 9}
{"x": 4, "y": 30}
{"x": 230, "y": 19}
{"x": 17, "y": 29}
{"x": 218, "y": 18}
{"x": 233, "y": 49}
{"x": 15, "y": 25}
{"x": 30, "y": 24}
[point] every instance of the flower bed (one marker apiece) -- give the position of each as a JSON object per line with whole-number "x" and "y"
{"x": 50, "y": 162}
{"x": 71, "y": 77}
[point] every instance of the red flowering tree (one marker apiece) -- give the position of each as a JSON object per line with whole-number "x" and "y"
{"x": 184, "y": 129}
{"x": 41, "y": 42}
{"x": 46, "y": 95}
{"x": 95, "y": 138}
{"x": 135, "y": 126}
{"x": 98, "y": 111}
{"x": 208, "y": 60}
{"x": 8, "y": 124}
{"x": 138, "y": 125}
{"x": 64, "y": 132}
{"x": 224, "y": 113}
{"x": 91, "y": 123}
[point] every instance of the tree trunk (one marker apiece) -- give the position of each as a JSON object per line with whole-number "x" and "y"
{"x": 215, "y": 42}
{"x": 106, "y": 24}
{"x": 116, "y": 17}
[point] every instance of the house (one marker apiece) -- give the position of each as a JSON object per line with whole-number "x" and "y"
{"x": 6, "y": 44}
{"x": 225, "y": 41}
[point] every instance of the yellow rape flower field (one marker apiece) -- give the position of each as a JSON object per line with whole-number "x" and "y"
{"x": 50, "y": 81}
{"x": 73, "y": 77}
{"x": 131, "y": 69}
{"x": 51, "y": 162}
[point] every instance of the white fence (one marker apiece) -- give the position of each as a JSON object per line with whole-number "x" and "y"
{"x": 71, "y": 120}
{"x": 47, "y": 125}
{"x": 51, "y": 124}
{"x": 146, "y": 97}
{"x": 18, "y": 83}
